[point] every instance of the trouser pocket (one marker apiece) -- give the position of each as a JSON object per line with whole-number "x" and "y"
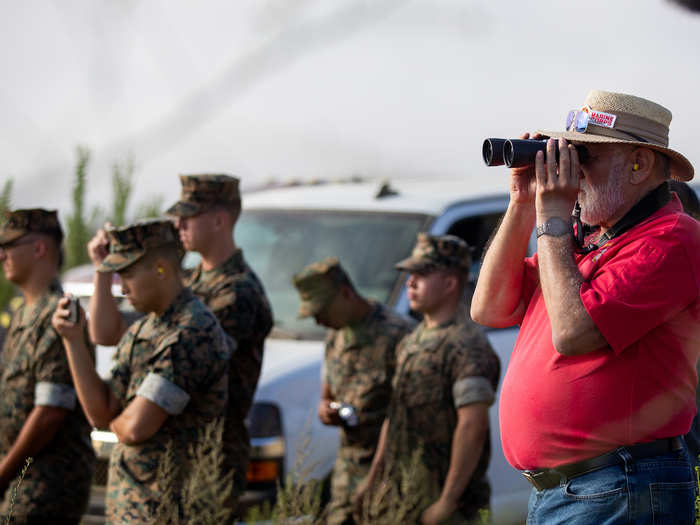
{"x": 673, "y": 503}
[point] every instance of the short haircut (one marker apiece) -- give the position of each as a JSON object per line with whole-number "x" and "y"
{"x": 233, "y": 208}
{"x": 170, "y": 252}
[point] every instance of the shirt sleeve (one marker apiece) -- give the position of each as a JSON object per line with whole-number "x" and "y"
{"x": 120, "y": 373}
{"x": 54, "y": 385}
{"x": 641, "y": 287}
{"x": 474, "y": 369}
{"x": 164, "y": 393}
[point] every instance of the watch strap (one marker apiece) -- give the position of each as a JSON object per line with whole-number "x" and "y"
{"x": 554, "y": 226}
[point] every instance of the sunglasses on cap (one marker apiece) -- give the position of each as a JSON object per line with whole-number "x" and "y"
{"x": 578, "y": 120}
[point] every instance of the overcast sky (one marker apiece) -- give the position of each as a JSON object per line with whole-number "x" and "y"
{"x": 301, "y": 89}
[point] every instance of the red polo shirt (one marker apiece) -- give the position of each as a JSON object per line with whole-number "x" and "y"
{"x": 641, "y": 290}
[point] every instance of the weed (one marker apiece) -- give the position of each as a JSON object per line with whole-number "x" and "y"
{"x": 193, "y": 482}
{"x": 16, "y": 487}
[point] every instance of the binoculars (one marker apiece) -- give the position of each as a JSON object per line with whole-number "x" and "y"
{"x": 517, "y": 152}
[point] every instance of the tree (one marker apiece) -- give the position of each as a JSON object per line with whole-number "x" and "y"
{"x": 7, "y": 289}
{"x": 78, "y": 231}
{"x": 122, "y": 188}
{"x": 151, "y": 209}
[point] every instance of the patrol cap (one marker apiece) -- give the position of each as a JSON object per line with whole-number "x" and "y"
{"x": 204, "y": 190}
{"x": 130, "y": 243}
{"x": 437, "y": 251}
{"x": 36, "y": 220}
{"x": 318, "y": 283}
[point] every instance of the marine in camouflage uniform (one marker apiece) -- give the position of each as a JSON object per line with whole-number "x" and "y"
{"x": 438, "y": 370}
{"x": 179, "y": 361}
{"x": 358, "y": 368}
{"x": 34, "y": 373}
{"x": 235, "y": 294}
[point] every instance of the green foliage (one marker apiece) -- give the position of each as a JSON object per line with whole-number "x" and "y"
{"x": 121, "y": 191}
{"x": 401, "y": 497}
{"x": 697, "y": 495}
{"x": 151, "y": 209}
{"x": 7, "y": 289}
{"x": 193, "y": 481}
{"x": 13, "y": 497}
{"x": 6, "y": 196}
{"x": 299, "y": 501}
{"x": 78, "y": 231}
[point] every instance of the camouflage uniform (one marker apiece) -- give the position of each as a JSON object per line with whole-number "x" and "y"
{"x": 438, "y": 370}
{"x": 358, "y": 368}
{"x": 235, "y": 294}
{"x": 179, "y": 361}
{"x": 34, "y": 372}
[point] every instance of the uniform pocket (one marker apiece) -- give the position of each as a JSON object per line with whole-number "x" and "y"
{"x": 673, "y": 503}
{"x": 425, "y": 393}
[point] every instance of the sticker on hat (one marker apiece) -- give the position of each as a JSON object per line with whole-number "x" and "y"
{"x": 599, "y": 118}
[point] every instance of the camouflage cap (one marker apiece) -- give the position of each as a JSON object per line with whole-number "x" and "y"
{"x": 318, "y": 283}
{"x": 36, "y": 220}
{"x": 201, "y": 191}
{"x": 437, "y": 251}
{"x": 130, "y": 243}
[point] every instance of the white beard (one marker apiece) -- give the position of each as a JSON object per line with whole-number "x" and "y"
{"x": 599, "y": 204}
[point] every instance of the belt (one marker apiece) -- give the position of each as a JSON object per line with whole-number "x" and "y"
{"x": 548, "y": 478}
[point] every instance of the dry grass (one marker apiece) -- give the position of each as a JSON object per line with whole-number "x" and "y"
{"x": 23, "y": 473}
{"x": 194, "y": 482}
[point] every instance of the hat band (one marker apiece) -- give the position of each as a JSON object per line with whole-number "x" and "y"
{"x": 633, "y": 127}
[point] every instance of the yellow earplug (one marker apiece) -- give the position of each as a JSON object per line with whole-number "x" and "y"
{"x": 635, "y": 167}
{"x": 160, "y": 271}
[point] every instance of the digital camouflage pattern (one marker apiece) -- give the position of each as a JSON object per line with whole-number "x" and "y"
{"x": 187, "y": 347}
{"x": 437, "y": 251}
{"x": 57, "y": 485}
{"x": 437, "y": 370}
{"x": 237, "y": 297}
{"x": 318, "y": 283}
{"x": 36, "y": 220}
{"x": 359, "y": 366}
{"x": 200, "y": 192}
{"x": 129, "y": 243}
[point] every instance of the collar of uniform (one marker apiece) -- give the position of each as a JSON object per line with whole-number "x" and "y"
{"x": 355, "y": 333}
{"x": 182, "y": 298}
{"x": 30, "y": 315}
{"x": 234, "y": 264}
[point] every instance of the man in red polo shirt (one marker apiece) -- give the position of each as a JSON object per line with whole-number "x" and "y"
{"x": 601, "y": 382}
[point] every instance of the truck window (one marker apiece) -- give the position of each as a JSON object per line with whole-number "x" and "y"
{"x": 476, "y": 231}
{"x": 279, "y": 243}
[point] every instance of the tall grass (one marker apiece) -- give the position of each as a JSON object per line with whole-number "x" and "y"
{"x": 193, "y": 485}
{"x": 13, "y": 497}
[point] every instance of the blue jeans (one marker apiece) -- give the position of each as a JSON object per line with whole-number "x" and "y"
{"x": 655, "y": 490}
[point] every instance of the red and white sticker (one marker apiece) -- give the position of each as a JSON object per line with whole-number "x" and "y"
{"x": 598, "y": 118}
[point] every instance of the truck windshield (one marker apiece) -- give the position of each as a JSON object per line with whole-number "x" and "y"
{"x": 277, "y": 244}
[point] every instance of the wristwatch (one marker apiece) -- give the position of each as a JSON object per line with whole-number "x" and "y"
{"x": 554, "y": 226}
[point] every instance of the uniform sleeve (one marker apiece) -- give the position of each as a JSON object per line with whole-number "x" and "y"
{"x": 54, "y": 385}
{"x": 186, "y": 362}
{"x": 120, "y": 373}
{"x": 170, "y": 377}
{"x": 641, "y": 287}
{"x": 474, "y": 369}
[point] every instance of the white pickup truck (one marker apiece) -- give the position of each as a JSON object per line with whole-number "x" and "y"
{"x": 369, "y": 225}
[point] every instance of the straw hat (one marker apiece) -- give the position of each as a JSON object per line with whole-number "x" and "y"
{"x": 616, "y": 118}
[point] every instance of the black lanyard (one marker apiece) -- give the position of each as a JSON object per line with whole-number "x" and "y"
{"x": 646, "y": 207}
